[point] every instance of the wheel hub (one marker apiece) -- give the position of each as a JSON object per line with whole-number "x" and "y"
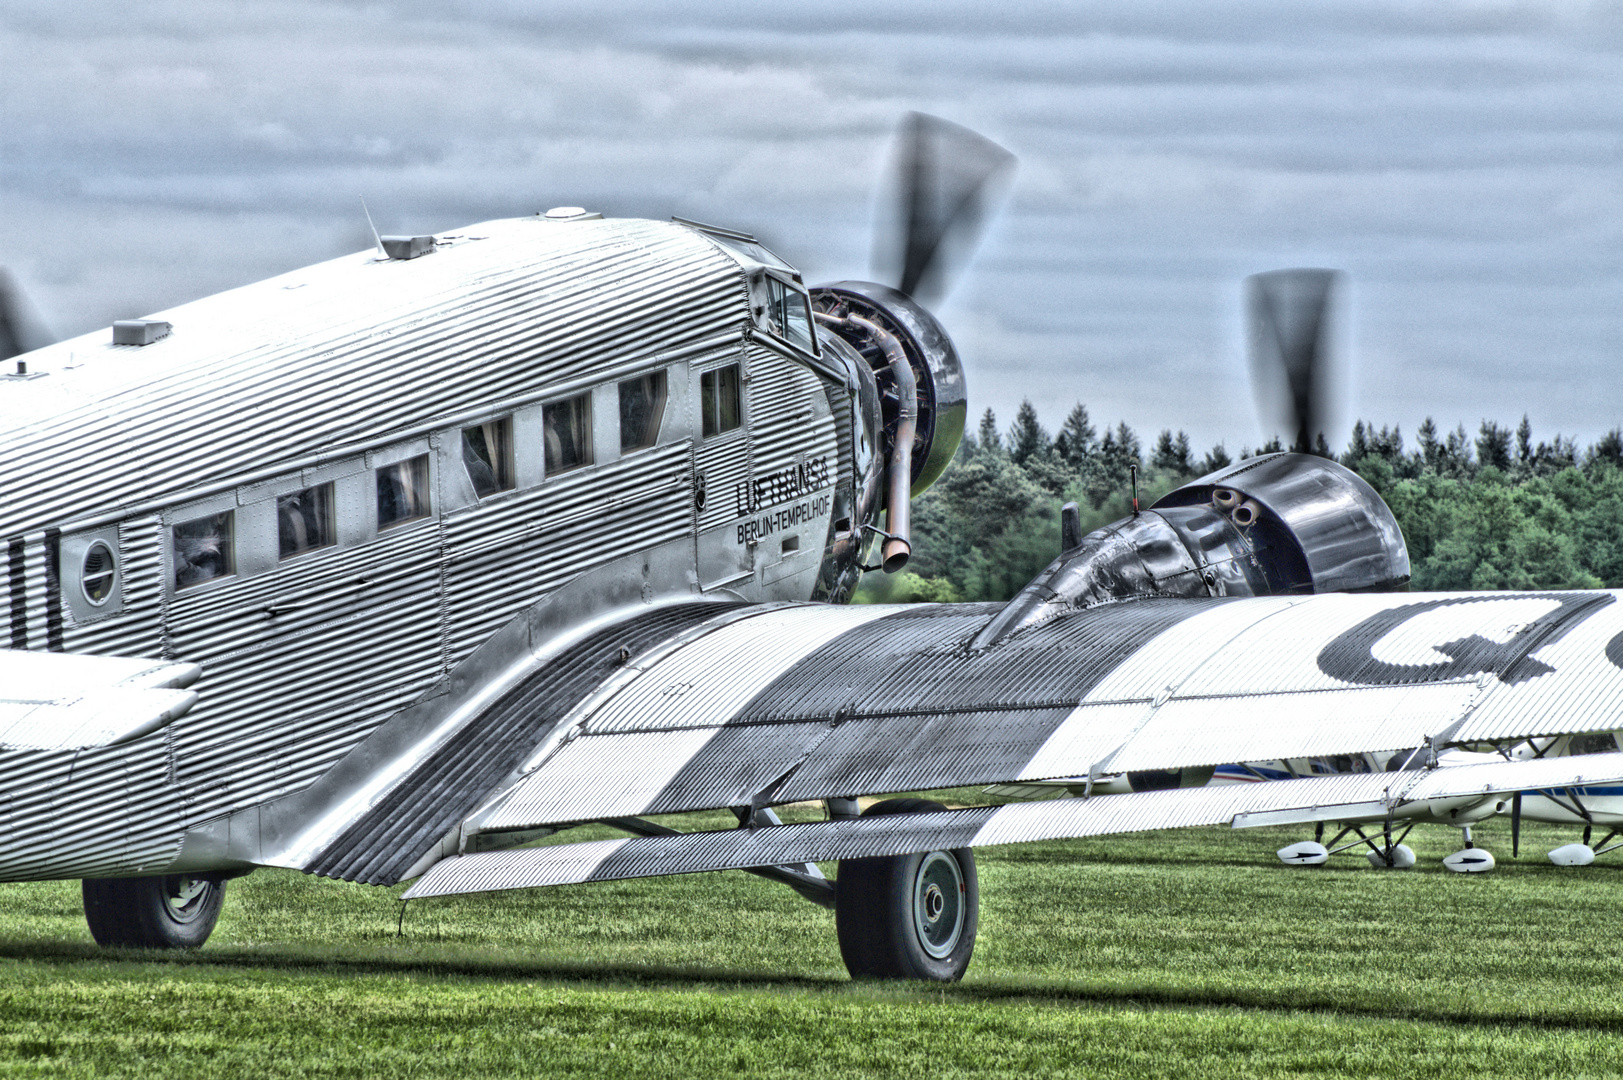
{"x": 938, "y": 904}
{"x": 185, "y": 896}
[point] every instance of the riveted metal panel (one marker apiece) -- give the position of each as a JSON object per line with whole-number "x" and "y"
{"x": 789, "y": 413}
{"x": 303, "y": 663}
{"x": 504, "y": 554}
{"x": 350, "y": 351}
{"x": 112, "y": 810}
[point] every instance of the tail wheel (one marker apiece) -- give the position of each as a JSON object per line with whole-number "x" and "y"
{"x": 908, "y": 916}
{"x": 176, "y": 911}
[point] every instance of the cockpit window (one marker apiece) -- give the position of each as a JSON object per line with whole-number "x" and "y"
{"x": 487, "y": 453}
{"x": 567, "y": 428}
{"x": 203, "y": 549}
{"x": 718, "y": 391}
{"x": 642, "y": 407}
{"x": 403, "y": 492}
{"x": 304, "y": 521}
{"x": 787, "y": 315}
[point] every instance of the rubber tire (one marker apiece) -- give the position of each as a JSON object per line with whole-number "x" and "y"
{"x": 136, "y": 912}
{"x": 873, "y": 910}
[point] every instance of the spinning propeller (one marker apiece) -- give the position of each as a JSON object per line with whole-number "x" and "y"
{"x": 1288, "y": 315}
{"x": 946, "y": 177}
{"x": 20, "y": 329}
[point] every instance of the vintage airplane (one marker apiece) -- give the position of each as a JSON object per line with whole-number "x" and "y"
{"x": 551, "y": 520}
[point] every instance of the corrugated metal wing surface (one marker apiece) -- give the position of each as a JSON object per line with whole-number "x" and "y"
{"x": 984, "y": 826}
{"x": 452, "y": 781}
{"x": 620, "y": 756}
{"x": 900, "y": 703}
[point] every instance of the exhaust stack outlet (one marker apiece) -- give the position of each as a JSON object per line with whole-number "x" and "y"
{"x": 898, "y": 547}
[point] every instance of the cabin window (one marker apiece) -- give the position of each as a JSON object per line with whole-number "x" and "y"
{"x": 719, "y": 393}
{"x": 642, "y": 407}
{"x": 567, "y": 428}
{"x": 203, "y": 549}
{"x": 787, "y": 315}
{"x": 403, "y": 492}
{"x": 487, "y": 453}
{"x": 304, "y": 521}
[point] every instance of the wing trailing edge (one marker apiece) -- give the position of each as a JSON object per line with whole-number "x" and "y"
{"x": 1349, "y": 797}
{"x": 65, "y": 701}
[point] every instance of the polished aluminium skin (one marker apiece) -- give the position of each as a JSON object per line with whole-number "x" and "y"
{"x": 632, "y": 636}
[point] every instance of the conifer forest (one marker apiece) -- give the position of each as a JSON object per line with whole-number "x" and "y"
{"x": 1493, "y": 510}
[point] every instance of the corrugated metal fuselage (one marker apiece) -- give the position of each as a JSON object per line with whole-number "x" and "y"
{"x": 323, "y": 377}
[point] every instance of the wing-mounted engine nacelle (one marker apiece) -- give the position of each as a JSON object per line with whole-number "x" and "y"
{"x": 1310, "y": 524}
{"x": 908, "y": 402}
{"x": 1280, "y": 523}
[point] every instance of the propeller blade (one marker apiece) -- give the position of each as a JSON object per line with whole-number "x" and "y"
{"x": 1516, "y": 825}
{"x": 946, "y": 177}
{"x": 20, "y": 328}
{"x": 1288, "y": 311}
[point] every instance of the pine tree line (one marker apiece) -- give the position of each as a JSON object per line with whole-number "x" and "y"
{"x": 1497, "y": 511}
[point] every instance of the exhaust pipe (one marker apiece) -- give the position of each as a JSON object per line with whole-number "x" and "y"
{"x": 898, "y": 547}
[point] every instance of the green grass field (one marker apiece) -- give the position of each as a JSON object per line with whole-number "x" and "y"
{"x": 1184, "y": 954}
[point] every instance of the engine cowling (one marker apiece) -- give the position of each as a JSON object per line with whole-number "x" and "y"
{"x": 1281, "y": 523}
{"x": 1315, "y": 525}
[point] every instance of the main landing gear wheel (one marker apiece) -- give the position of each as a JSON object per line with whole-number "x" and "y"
{"x": 908, "y": 916}
{"x": 177, "y": 911}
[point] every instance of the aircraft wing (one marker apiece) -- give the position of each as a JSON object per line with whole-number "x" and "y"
{"x": 760, "y": 705}
{"x": 1347, "y": 797}
{"x": 63, "y": 701}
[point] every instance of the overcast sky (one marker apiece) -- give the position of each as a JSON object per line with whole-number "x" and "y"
{"x": 1463, "y": 162}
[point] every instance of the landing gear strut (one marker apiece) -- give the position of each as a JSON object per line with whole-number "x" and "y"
{"x": 177, "y": 911}
{"x": 908, "y": 916}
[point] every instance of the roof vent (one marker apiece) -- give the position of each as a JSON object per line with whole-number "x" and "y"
{"x": 140, "y": 331}
{"x": 571, "y": 213}
{"x": 406, "y": 247}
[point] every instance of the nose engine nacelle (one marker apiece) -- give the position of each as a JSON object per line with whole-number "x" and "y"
{"x": 908, "y": 409}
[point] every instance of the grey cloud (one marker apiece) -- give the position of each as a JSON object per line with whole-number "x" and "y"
{"x": 1459, "y": 159}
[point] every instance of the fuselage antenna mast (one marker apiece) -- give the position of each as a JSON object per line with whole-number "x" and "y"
{"x": 381, "y": 253}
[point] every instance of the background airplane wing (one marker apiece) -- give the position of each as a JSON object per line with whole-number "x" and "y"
{"x": 758, "y": 705}
{"x": 63, "y": 701}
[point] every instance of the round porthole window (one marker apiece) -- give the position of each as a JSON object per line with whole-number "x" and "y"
{"x": 98, "y": 573}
